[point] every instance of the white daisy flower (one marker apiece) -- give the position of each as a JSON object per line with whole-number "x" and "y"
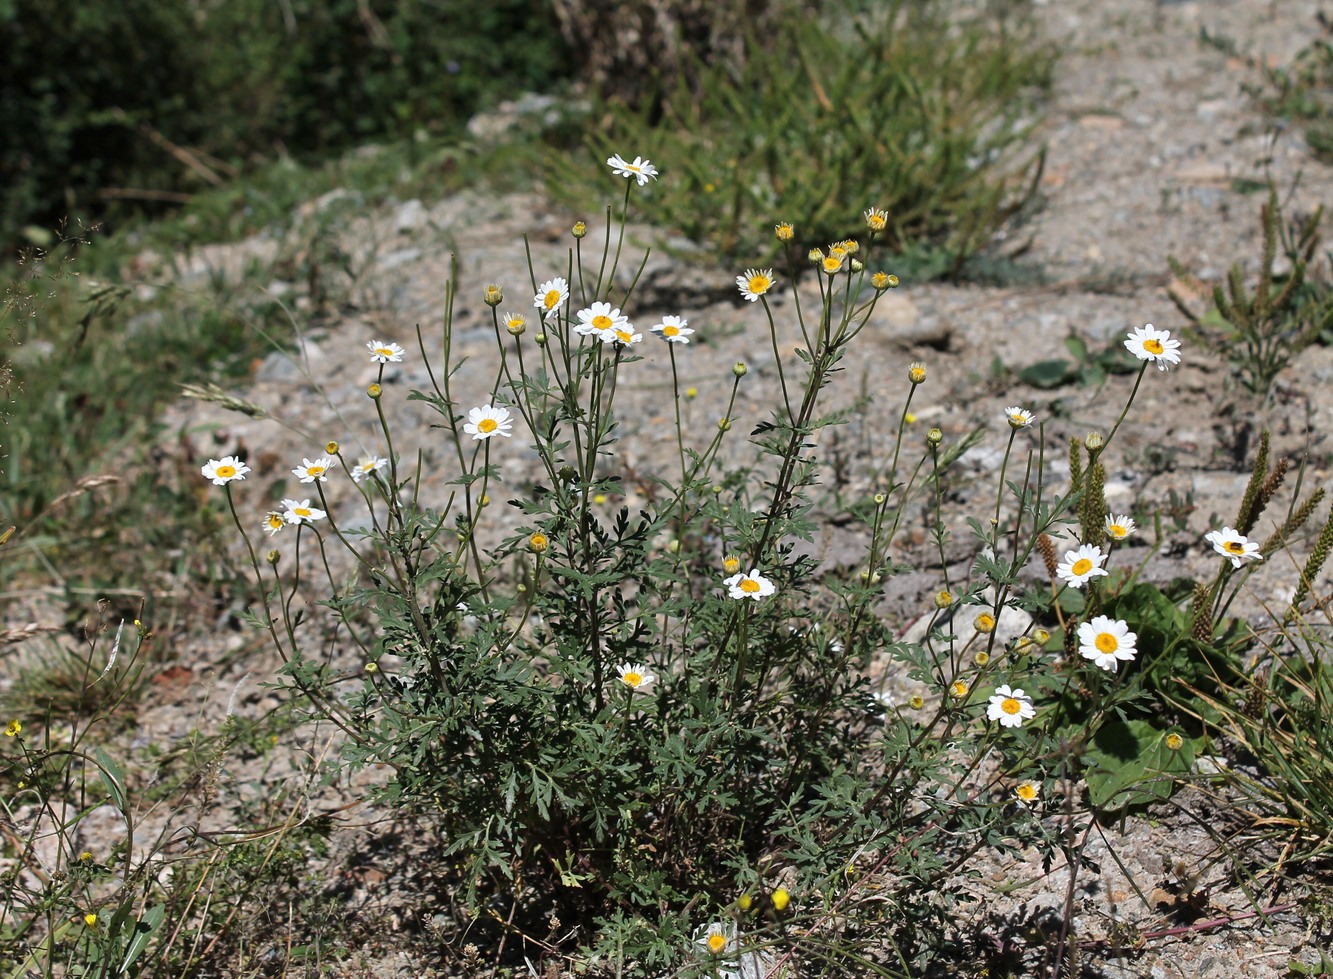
{"x": 1010, "y": 707}
{"x": 274, "y": 522}
{"x": 551, "y": 295}
{"x": 752, "y": 585}
{"x": 640, "y": 169}
{"x": 876, "y": 218}
{"x": 600, "y": 319}
{"x": 368, "y": 465}
{"x": 1081, "y": 564}
{"x": 1019, "y": 417}
{"x": 754, "y": 283}
{"x": 223, "y": 471}
{"x": 623, "y": 335}
{"x": 1119, "y": 527}
{"x": 384, "y": 353}
{"x": 1106, "y": 642}
{"x": 300, "y": 511}
{"x": 1234, "y": 545}
{"x": 636, "y": 676}
{"x": 883, "y": 700}
{"x": 673, "y": 329}
{"x": 717, "y": 938}
{"x": 488, "y": 421}
{"x": 308, "y": 472}
{"x": 1154, "y": 346}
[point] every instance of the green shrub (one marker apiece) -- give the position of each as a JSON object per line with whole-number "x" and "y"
{"x": 903, "y": 110}
{"x": 147, "y": 102}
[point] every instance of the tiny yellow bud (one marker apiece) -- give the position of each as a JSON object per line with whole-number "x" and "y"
{"x": 745, "y": 902}
{"x": 493, "y": 295}
{"x": 916, "y": 702}
{"x": 893, "y": 282}
{"x": 916, "y": 372}
{"x": 274, "y": 557}
{"x": 880, "y": 281}
{"x": 90, "y": 919}
{"x": 580, "y": 229}
{"x": 879, "y": 499}
{"x": 516, "y": 323}
{"x": 985, "y": 622}
{"x": 674, "y": 547}
{"x": 372, "y": 667}
{"x": 540, "y": 339}
{"x": 1094, "y": 441}
{"x": 85, "y": 856}
{"x": 958, "y": 688}
{"x": 599, "y": 498}
{"x": 1041, "y": 637}
{"x": 909, "y": 419}
{"x": 538, "y": 543}
{"x": 724, "y": 424}
{"x": 12, "y": 729}
{"x": 934, "y": 437}
{"x": 858, "y": 265}
{"x": 816, "y": 256}
{"x": 781, "y": 899}
{"x": 691, "y": 392}
{"x": 485, "y": 500}
{"x": 943, "y": 599}
{"x": 731, "y": 564}
{"x": 739, "y": 368}
{"x": 1174, "y": 741}
{"x": 982, "y": 658}
{"x": 374, "y": 391}
{"x": 784, "y": 231}
{"x": 331, "y": 448}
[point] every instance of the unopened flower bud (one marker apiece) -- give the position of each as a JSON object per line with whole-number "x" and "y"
{"x": 784, "y": 231}
{"x": 331, "y": 448}
{"x": 493, "y": 295}
{"x": 374, "y": 391}
{"x": 516, "y": 323}
{"x": 274, "y": 557}
{"x": 943, "y": 599}
{"x": 538, "y": 543}
{"x": 739, "y": 368}
{"x": 934, "y": 437}
{"x": 724, "y": 424}
{"x": 916, "y": 372}
{"x": 580, "y": 229}
{"x": 1094, "y": 441}
{"x": 858, "y": 265}
{"x": 540, "y": 339}
{"x": 879, "y": 499}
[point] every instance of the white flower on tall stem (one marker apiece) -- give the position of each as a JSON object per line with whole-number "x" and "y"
{"x": 1107, "y": 642}
{"x": 717, "y": 938}
{"x": 487, "y": 421}
{"x": 368, "y": 466}
{"x": 754, "y": 283}
{"x": 639, "y": 170}
{"x": 223, "y": 471}
{"x": 308, "y": 472}
{"x": 1119, "y": 527}
{"x": 1019, "y": 417}
{"x": 673, "y": 329}
{"x": 636, "y": 676}
{"x": 274, "y": 522}
{"x": 1155, "y": 346}
{"x": 384, "y": 353}
{"x": 300, "y": 511}
{"x": 623, "y": 335}
{"x": 551, "y": 295}
{"x": 601, "y": 319}
{"x": 1234, "y": 545}
{"x": 1010, "y": 707}
{"x": 752, "y": 585}
{"x": 1081, "y": 564}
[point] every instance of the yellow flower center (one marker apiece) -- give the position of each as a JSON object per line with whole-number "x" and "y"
{"x": 226, "y": 472}
{"x": 632, "y": 168}
{"x": 876, "y": 222}
{"x": 832, "y": 264}
{"x": 315, "y": 471}
{"x": 670, "y": 331}
{"x": 749, "y": 586}
{"x": 552, "y": 299}
{"x": 1106, "y": 642}
{"x": 302, "y": 512}
{"x": 487, "y": 425}
{"x": 1081, "y": 566}
{"x": 1235, "y": 547}
{"x": 759, "y": 283}
{"x": 537, "y": 542}
{"x": 624, "y": 336}
{"x": 1117, "y": 531}
{"x": 1027, "y": 792}
{"x": 1175, "y": 742}
{"x": 275, "y": 521}
{"x": 1153, "y": 346}
{"x": 1011, "y": 706}
{"x": 602, "y": 322}
{"x": 384, "y": 351}
{"x": 716, "y": 942}
{"x": 959, "y": 689}
{"x": 632, "y": 678}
